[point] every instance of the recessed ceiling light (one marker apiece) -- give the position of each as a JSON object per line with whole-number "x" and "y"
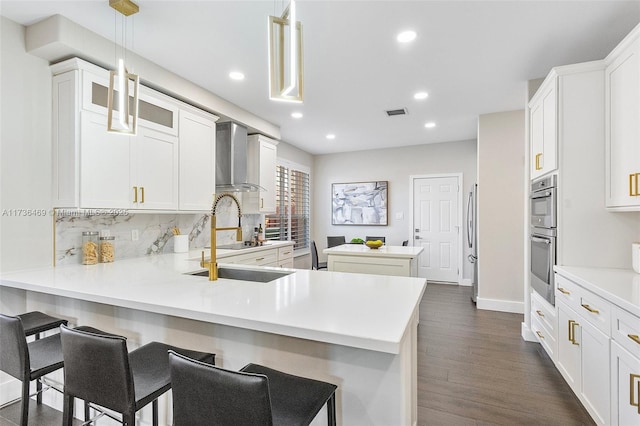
{"x": 331, "y": 136}
{"x": 421, "y": 95}
{"x": 406, "y": 36}
{"x": 296, "y": 114}
{"x": 430, "y": 125}
{"x": 236, "y": 75}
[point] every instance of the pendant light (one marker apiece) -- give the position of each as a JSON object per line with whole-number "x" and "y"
{"x": 286, "y": 81}
{"x": 123, "y": 85}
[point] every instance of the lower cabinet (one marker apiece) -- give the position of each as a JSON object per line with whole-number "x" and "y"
{"x": 625, "y": 386}
{"x": 285, "y": 257}
{"x": 583, "y": 358}
{"x": 544, "y": 324}
{"x": 281, "y": 257}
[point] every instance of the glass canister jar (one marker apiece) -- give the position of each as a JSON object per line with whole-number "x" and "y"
{"x": 89, "y": 248}
{"x": 107, "y": 251}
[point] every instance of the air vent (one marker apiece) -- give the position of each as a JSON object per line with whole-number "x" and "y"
{"x": 392, "y": 112}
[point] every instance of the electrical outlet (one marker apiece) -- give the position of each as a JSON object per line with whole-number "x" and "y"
{"x": 134, "y": 235}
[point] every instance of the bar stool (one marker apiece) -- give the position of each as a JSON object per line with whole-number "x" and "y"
{"x": 36, "y": 322}
{"x": 27, "y": 361}
{"x": 99, "y": 370}
{"x": 204, "y": 395}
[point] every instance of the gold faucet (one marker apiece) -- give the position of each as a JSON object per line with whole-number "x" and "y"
{"x": 213, "y": 263}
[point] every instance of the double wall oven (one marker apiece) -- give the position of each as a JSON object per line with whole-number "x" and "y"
{"x": 543, "y": 200}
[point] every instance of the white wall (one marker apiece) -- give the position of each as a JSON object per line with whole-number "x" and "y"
{"x": 394, "y": 165}
{"x": 501, "y": 155}
{"x": 25, "y": 154}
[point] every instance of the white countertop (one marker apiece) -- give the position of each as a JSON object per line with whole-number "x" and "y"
{"x": 619, "y": 286}
{"x": 363, "y": 311}
{"x": 384, "y": 251}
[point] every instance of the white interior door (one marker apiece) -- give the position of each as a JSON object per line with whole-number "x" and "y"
{"x": 436, "y": 213}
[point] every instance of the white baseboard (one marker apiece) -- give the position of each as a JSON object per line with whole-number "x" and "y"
{"x": 527, "y": 334}
{"x": 500, "y": 305}
{"x": 466, "y": 282}
{"x": 10, "y": 389}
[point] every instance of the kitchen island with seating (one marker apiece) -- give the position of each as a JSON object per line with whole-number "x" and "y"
{"x": 303, "y": 323}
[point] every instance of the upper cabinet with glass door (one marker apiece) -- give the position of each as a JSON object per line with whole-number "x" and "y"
{"x": 97, "y": 169}
{"x": 622, "y": 124}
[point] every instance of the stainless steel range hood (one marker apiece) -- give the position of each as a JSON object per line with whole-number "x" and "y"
{"x": 231, "y": 159}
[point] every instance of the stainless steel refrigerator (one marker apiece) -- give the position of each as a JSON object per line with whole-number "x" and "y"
{"x": 472, "y": 237}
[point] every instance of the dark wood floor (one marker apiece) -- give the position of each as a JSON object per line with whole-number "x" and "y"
{"x": 473, "y": 369}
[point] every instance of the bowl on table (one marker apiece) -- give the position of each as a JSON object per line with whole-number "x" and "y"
{"x": 374, "y": 244}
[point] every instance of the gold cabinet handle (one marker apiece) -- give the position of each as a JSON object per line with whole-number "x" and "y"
{"x": 540, "y": 313}
{"x": 570, "y": 337}
{"x": 634, "y": 337}
{"x": 539, "y": 335}
{"x": 142, "y": 193}
{"x": 563, "y": 291}
{"x": 135, "y": 194}
{"x": 572, "y": 332}
{"x": 590, "y": 309}
{"x": 538, "y": 165}
{"x": 633, "y": 179}
{"x": 634, "y": 401}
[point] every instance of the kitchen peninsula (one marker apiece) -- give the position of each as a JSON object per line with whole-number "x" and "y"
{"x": 302, "y": 323}
{"x": 386, "y": 260}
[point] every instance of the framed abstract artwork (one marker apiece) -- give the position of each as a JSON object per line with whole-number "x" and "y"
{"x": 359, "y": 203}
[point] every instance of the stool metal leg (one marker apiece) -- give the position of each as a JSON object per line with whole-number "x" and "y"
{"x": 24, "y": 404}
{"x": 331, "y": 410}
{"x": 154, "y": 406}
{"x": 129, "y": 419}
{"x": 67, "y": 410}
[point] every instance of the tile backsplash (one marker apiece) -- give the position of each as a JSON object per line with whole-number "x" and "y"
{"x": 155, "y": 231}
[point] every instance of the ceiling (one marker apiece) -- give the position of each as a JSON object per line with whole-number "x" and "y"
{"x": 472, "y": 57}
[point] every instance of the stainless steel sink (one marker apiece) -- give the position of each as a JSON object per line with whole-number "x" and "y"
{"x": 246, "y": 274}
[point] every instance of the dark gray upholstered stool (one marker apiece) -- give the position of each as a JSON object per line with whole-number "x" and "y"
{"x": 314, "y": 258}
{"x": 333, "y": 241}
{"x": 210, "y": 396}
{"x": 36, "y": 322}
{"x": 100, "y": 370}
{"x": 27, "y": 361}
{"x": 375, "y": 239}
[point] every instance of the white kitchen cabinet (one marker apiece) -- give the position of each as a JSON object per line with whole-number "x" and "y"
{"x": 584, "y": 331}
{"x": 625, "y": 386}
{"x": 543, "y": 119}
{"x": 261, "y": 170}
{"x": 197, "y": 160}
{"x": 583, "y": 359}
{"x": 622, "y": 102}
{"x": 625, "y": 368}
{"x": 568, "y": 348}
{"x": 544, "y": 323}
{"x": 285, "y": 257}
{"x": 127, "y": 172}
{"x": 152, "y": 170}
{"x": 276, "y": 256}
